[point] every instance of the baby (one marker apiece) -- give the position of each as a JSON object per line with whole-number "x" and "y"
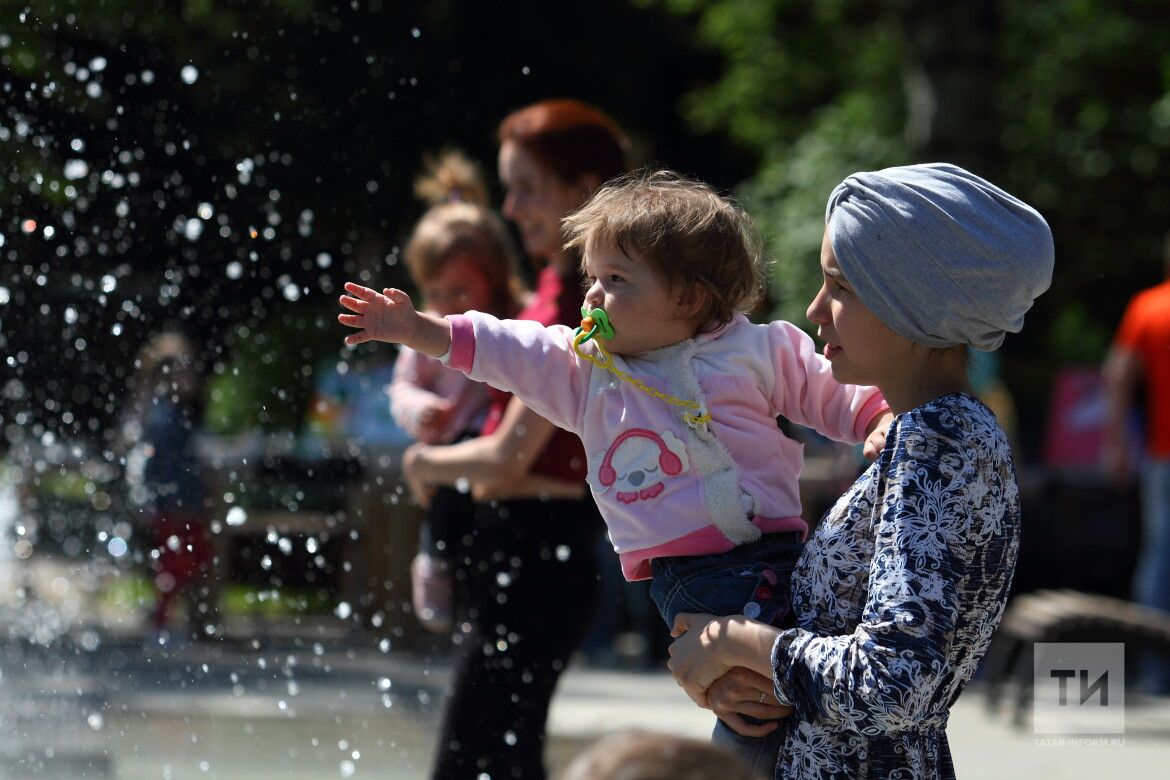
{"x": 677, "y": 408}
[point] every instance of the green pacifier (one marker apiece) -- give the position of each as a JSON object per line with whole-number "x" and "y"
{"x": 594, "y": 323}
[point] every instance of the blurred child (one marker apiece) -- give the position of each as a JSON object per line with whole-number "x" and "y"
{"x": 641, "y": 755}
{"x": 677, "y": 407}
{"x": 166, "y": 480}
{"x": 459, "y": 257}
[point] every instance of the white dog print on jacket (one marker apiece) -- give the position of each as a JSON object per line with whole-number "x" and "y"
{"x": 638, "y": 461}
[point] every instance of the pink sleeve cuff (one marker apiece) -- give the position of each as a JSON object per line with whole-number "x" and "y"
{"x": 873, "y": 408}
{"x": 462, "y": 354}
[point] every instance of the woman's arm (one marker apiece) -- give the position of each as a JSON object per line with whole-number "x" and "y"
{"x": 497, "y": 460}
{"x": 944, "y": 541}
{"x": 943, "y": 555}
{"x": 529, "y": 486}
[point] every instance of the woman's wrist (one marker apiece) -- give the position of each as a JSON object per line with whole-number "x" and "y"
{"x": 748, "y": 643}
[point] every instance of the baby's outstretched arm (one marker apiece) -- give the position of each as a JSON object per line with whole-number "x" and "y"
{"x": 390, "y": 316}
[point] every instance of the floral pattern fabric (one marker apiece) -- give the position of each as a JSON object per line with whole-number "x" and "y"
{"x": 896, "y": 598}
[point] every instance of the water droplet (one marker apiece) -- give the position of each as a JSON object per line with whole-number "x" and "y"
{"x": 384, "y": 683}
{"x": 563, "y": 552}
{"x": 193, "y": 229}
{"x": 76, "y": 169}
{"x": 343, "y": 610}
{"x": 236, "y": 516}
{"x": 95, "y": 721}
{"x": 189, "y": 74}
{"x": 347, "y": 768}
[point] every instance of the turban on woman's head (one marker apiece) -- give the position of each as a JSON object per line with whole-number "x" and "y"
{"x": 938, "y": 254}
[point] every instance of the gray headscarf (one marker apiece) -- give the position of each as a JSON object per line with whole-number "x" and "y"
{"x": 940, "y": 255}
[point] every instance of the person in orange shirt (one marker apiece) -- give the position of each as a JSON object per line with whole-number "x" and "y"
{"x": 1141, "y": 355}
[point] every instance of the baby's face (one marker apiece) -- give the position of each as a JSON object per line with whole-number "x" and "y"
{"x": 461, "y": 285}
{"x": 645, "y": 312}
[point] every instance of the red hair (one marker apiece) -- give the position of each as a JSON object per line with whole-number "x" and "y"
{"x": 568, "y": 137}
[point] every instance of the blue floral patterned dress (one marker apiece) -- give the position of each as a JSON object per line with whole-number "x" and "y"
{"x": 896, "y": 597}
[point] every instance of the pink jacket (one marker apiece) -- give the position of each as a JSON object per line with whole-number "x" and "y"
{"x": 664, "y": 486}
{"x": 419, "y": 380}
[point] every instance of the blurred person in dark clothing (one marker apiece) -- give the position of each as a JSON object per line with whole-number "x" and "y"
{"x": 166, "y": 481}
{"x": 531, "y": 553}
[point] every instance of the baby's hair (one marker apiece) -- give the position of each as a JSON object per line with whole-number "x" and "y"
{"x": 686, "y": 231}
{"x": 641, "y": 755}
{"x": 459, "y": 220}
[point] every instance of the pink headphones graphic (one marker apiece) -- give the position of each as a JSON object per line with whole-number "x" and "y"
{"x": 670, "y": 463}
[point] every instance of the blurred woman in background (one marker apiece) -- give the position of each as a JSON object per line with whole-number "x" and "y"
{"x": 530, "y": 555}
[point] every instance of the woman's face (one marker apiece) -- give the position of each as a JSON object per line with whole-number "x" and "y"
{"x": 536, "y": 200}
{"x": 859, "y": 346}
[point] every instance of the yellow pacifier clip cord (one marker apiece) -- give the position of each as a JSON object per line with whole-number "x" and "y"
{"x": 596, "y": 323}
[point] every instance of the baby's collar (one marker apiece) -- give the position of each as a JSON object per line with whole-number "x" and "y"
{"x": 714, "y": 330}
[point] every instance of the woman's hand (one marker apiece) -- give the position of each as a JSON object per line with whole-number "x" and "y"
{"x": 413, "y": 474}
{"x": 432, "y": 421}
{"x": 695, "y": 658}
{"x": 743, "y": 692}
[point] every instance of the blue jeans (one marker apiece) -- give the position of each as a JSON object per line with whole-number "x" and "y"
{"x": 1151, "y": 585}
{"x": 751, "y": 580}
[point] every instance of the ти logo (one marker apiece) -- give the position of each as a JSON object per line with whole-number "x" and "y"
{"x": 1078, "y": 688}
{"x": 1101, "y": 685}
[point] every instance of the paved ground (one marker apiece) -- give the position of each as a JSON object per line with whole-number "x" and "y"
{"x": 334, "y": 705}
{"x": 83, "y": 696}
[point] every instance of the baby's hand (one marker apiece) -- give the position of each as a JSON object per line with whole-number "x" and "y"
{"x": 875, "y": 441}
{"x": 386, "y": 316}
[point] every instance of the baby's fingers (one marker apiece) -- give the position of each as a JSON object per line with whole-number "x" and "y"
{"x": 356, "y": 290}
{"x": 352, "y": 320}
{"x": 361, "y": 337}
{"x": 353, "y": 304}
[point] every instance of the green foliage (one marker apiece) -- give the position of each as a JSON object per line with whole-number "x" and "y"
{"x": 267, "y": 383}
{"x": 1081, "y": 88}
{"x": 813, "y": 88}
{"x": 788, "y": 195}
